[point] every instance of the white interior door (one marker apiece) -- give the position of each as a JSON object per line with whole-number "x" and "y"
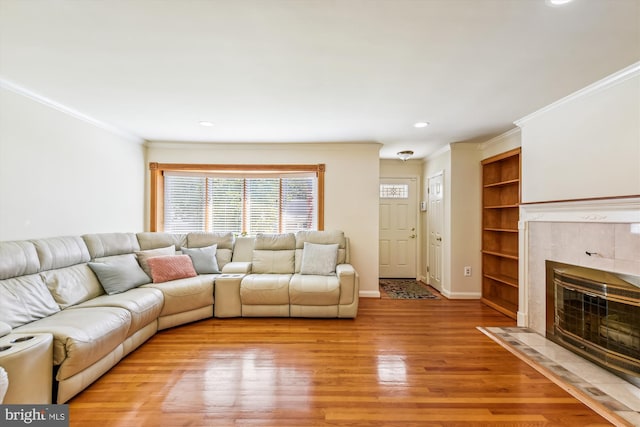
{"x": 435, "y": 215}
{"x": 398, "y": 217}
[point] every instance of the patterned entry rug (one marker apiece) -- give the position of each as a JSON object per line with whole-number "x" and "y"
{"x": 406, "y": 289}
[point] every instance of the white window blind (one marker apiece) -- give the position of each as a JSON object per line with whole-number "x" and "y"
{"x": 262, "y": 205}
{"x": 225, "y": 199}
{"x": 298, "y": 204}
{"x": 240, "y": 203}
{"x": 186, "y": 212}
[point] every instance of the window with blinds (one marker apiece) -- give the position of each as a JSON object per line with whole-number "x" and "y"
{"x": 242, "y": 203}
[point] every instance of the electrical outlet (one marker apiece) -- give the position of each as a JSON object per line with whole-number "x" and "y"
{"x": 467, "y": 271}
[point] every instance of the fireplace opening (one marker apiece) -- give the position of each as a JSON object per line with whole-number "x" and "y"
{"x": 596, "y": 314}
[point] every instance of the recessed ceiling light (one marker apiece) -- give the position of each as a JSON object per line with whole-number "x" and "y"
{"x": 558, "y": 2}
{"x": 421, "y": 124}
{"x": 206, "y": 123}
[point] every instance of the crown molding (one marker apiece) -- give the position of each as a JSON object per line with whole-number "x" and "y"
{"x": 17, "y": 89}
{"x": 438, "y": 152}
{"x": 498, "y": 139}
{"x": 612, "y": 80}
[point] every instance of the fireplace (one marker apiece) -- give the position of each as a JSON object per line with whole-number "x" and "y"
{"x": 595, "y": 314}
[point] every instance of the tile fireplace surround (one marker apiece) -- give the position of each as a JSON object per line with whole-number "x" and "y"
{"x": 564, "y": 232}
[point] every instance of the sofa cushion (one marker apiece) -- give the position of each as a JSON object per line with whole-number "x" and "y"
{"x": 154, "y": 240}
{"x": 144, "y": 305}
{"x": 119, "y": 274}
{"x": 109, "y": 244}
{"x": 243, "y": 249}
{"x": 18, "y": 259}
{"x": 322, "y": 238}
{"x": 275, "y": 242}
{"x": 319, "y": 259}
{"x": 274, "y": 253}
{"x": 81, "y": 337}
{"x": 202, "y": 239}
{"x": 185, "y": 294}
{"x": 59, "y": 252}
{"x": 265, "y": 289}
{"x": 143, "y": 256}
{"x": 314, "y": 290}
{"x": 270, "y": 261}
{"x": 204, "y": 259}
{"x": 172, "y": 267}
{"x": 72, "y": 285}
{"x": 25, "y": 299}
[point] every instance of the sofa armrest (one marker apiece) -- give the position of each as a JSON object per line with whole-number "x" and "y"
{"x": 237, "y": 267}
{"x": 348, "y": 283}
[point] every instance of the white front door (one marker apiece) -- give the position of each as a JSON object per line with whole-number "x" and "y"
{"x": 435, "y": 217}
{"x": 398, "y": 217}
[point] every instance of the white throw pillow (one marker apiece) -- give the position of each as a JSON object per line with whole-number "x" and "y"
{"x": 319, "y": 259}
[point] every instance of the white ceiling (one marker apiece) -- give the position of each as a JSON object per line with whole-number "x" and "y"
{"x": 313, "y": 70}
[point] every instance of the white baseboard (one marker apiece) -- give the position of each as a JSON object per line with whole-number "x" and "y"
{"x": 461, "y": 295}
{"x": 369, "y": 294}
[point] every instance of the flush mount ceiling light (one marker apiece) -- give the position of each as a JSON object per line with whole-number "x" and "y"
{"x": 558, "y": 2}
{"x": 205, "y": 123}
{"x": 421, "y": 124}
{"x": 405, "y": 155}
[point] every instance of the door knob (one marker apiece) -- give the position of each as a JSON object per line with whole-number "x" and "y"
{"x": 413, "y": 236}
{"x": 439, "y": 239}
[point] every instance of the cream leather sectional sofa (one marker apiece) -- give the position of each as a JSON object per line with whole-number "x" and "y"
{"x": 48, "y": 286}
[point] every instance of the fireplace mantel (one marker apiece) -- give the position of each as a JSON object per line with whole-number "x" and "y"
{"x": 620, "y": 209}
{"x": 565, "y": 231}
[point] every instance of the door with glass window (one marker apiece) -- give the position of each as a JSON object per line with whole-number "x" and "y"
{"x": 398, "y": 234}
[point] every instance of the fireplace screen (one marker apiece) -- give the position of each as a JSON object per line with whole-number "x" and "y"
{"x": 597, "y": 315}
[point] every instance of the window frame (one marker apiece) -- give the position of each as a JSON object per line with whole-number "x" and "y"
{"x": 156, "y": 180}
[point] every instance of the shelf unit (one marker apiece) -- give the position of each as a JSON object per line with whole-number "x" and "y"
{"x": 500, "y": 214}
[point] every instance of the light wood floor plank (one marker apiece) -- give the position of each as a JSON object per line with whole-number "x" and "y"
{"x": 401, "y": 362}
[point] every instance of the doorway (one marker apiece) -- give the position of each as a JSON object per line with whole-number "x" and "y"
{"x": 398, "y": 233}
{"x": 435, "y": 221}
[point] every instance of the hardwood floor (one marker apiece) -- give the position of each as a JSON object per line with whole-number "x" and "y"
{"x": 401, "y": 362}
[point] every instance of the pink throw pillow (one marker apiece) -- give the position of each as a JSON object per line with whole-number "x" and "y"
{"x": 171, "y": 267}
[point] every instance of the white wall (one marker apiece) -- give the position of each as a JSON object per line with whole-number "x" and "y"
{"x": 466, "y": 220}
{"x": 587, "y": 145}
{"x": 392, "y": 168}
{"x": 60, "y": 175}
{"x": 351, "y": 186}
